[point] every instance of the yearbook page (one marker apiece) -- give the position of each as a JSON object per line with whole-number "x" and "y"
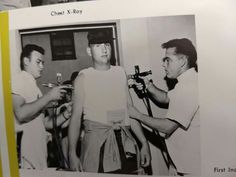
{"x": 119, "y": 88}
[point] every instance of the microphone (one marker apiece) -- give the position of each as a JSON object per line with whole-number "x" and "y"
{"x": 59, "y": 78}
{"x": 58, "y": 81}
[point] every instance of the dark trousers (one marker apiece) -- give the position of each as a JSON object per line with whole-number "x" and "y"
{"x": 18, "y": 146}
{"x": 128, "y": 165}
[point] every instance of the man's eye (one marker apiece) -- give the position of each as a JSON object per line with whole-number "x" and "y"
{"x": 167, "y": 60}
{"x": 38, "y": 62}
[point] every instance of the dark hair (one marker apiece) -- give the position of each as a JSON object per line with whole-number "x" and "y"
{"x": 26, "y": 52}
{"x": 73, "y": 76}
{"x": 183, "y": 46}
{"x": 99, "y": 36}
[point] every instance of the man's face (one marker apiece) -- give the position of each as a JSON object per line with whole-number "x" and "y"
{"x": 172, "y": 63}
{"x": 101, "y": 53}
{"x": 34, "y": 64}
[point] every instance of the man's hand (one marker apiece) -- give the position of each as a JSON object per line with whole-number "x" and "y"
{"x": 56, "y": 93}
{"x": 67, "y": 113}
{"x": 145, "y": 155}
{"x": 134, "y": 113}
{"x": 140, "y": 85}
{"x": 75, "y": 164}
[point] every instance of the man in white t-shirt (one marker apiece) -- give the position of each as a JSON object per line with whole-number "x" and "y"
{"x": 100, "y": 102}
{"x": 181, "y": 125}
{"x": 29, "y": 108}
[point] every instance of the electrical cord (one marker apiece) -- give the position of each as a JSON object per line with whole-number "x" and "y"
{"x": 62, "y": 160}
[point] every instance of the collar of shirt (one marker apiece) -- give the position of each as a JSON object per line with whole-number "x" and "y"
{"x": 29, "y": 76}
{"x": 187, "y": 75}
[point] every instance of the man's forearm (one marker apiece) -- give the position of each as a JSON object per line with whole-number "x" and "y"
{"x": 158, "y": 94}
{"x": 74, "y": 134}
{"x": 137, "y": 129}
{"x": 77, "y": 112}
{"x": 28, "y": 111}
{"x": 145, "y": 150}
{"x": 159, "y": 124}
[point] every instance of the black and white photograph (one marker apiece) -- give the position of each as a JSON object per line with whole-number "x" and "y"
{"x": 116, "y": 96}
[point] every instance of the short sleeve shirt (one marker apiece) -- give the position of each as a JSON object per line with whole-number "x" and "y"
{"x": 33, "y": 143}
{"x": 184, "y": 143}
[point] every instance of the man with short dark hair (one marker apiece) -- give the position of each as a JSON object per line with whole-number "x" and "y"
{"x": 29, "y": 105}
{"x": 181, "y": 125}
{"x": 100, "y": 102}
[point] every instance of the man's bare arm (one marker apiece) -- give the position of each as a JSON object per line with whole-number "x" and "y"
{"x": 61, "y": 118}
{"x": 163, "y": 125}
{"x": 138, "y": 131}
{"x": 75, "y": 122}
{"x": 157, "y": 93}
{"x": 25, "y": 112}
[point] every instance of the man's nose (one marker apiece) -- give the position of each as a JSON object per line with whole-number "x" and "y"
{"x": 104, "y": 48}
{"x": 41, "y": 65}
{"x": 164, "y": 64}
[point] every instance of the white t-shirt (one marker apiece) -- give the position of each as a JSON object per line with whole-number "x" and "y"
{"x": 33, "y": 143}
{"x": 14, "y": 4}
{"x": 184, "y": 144}
{"x": 105, "y": 95}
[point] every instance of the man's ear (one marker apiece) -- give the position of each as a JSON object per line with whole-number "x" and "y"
{"x": 184, "y": 60}
{"x": 26, "y": 61}
{"x": 89, "y": 52}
